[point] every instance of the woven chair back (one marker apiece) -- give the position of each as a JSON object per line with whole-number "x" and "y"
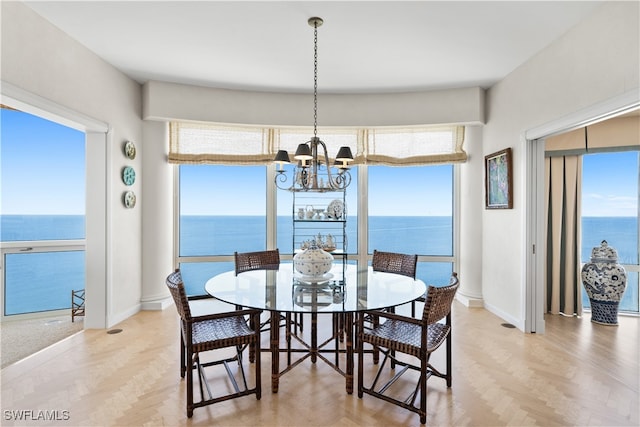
{"x": 439, "y": 299}
{"x": 176, "y": 287}
{"x": 261, "y": 260}
{"x": 391, "y": 262}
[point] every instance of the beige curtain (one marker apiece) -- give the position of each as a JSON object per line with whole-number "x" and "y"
{"x": 563, "y": 187}
{"x": 211, "y": 143}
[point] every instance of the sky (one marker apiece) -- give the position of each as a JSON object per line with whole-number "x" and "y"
{"x": 43, "y": 172}
{"x": 42, "y": 166}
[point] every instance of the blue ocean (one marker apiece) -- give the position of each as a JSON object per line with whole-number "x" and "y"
{"x": 43, "y": 281}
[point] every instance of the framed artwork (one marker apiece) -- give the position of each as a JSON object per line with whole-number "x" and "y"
{"x": 499, "y": 180}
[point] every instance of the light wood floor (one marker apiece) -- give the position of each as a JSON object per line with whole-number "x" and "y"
{"x": 578, "y": 374}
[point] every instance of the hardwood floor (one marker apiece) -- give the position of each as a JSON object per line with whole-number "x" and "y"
{"x": 578, "y": 374}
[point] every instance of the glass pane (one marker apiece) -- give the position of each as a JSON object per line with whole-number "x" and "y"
{"x": 222, "y": 209}
{"x": 630, "y": 299}
{"x": 42, "y": 281}
{"x": 42, "y": 227}
{"x": 610, "y": 212}
{"x": 411, "y": 209}
{"x": 195, "y": 275}
{"x": 434, "y": 273}
{"x": 42, "y": 179}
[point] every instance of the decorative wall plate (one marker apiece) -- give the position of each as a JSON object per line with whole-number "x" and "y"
{"x": 128, "y": 175}
{"x": 130, "y": 150}
{"x": 129, "y": 199}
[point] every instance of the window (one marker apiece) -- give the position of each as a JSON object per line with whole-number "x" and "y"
{"x": 225, "y": 208}
{"x": 411, "y": 211}
{"x": 610, "y": 212}
{"x": 222, "y": 210}
{"x": 42, "y": 222}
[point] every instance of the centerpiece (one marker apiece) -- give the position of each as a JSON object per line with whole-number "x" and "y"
{"x": 313, "y": 262}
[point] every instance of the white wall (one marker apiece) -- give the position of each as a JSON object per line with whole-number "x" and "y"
{"x": 40, "y": 59}
{"x": 595, "y": 61}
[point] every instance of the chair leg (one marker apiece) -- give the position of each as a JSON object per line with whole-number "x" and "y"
{"x": 258, "y": 370}
{"x": 423, "y": 391}
{"x": 190, "y": 384}
{"x": 183, "y": 361}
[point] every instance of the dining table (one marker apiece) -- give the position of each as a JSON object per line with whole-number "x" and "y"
{"x": 342, "y": 292}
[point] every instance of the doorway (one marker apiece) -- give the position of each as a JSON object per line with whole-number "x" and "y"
{"x": 535, "y": 238}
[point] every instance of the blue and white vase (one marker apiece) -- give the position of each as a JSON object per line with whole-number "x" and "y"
{"x": 604, "y": 280}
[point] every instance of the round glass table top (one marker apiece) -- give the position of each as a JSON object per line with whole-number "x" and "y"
{"x": 343, "y": 289}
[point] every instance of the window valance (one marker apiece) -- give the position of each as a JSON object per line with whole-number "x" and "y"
{"x": 616, "y": 134}
{"x": 208, "y": 143}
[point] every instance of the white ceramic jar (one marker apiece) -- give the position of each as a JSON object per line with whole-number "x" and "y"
{"x": 313, "y": 261}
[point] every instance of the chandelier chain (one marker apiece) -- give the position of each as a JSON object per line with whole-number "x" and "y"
{"x": 315, "y": 79}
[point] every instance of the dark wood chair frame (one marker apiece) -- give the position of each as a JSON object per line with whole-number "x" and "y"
{"x": 415, "y": 337}
{"x": 395, "y": 263}
{"x": 211, "y": 332}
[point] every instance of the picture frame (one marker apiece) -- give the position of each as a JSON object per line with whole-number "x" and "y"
{"x": 499, "y": 180}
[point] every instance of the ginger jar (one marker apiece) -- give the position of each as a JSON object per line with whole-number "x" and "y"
{"x": 313, "y": 261}
{"x": 604, "y": 281}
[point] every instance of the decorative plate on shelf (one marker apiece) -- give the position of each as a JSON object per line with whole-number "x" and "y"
{"x": 128, "y": 175}
{"x": 335, "y": 210}
{"x": 129, "y": 199}
{"x": 130, "y": 150}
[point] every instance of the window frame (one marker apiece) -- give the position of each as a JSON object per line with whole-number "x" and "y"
{"x": 360, "y": 256}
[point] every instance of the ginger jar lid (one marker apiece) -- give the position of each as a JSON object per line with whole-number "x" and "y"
{"x": 604, "y": 253}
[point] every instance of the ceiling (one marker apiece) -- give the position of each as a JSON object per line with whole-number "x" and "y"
{"x": 363, "y": 47}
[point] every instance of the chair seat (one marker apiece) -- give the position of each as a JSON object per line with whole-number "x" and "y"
{"x": 406, "y": 337}
{"x": 223, "y": 332}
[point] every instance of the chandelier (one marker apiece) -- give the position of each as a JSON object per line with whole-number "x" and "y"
{"x": 314, "y": 173}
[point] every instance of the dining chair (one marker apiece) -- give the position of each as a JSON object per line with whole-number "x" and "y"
{"x": 393, "y": 262}
{"x": 263, "y": 260}
{"x": 212, "y": 332}
{"x": 259, "y": 260}
{"x": 417, "y": 338}
{"x": 398, "y": 263}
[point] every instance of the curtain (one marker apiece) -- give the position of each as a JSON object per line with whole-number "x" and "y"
{"x": 563, "y": 187}
{"x": 412, "y": 147}
{"x": 210, "y": 143}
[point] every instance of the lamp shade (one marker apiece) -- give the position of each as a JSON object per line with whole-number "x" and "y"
{"x": 344, "y": 154}
{"x": 303, "y": 152}
{"x": 282, "y": 156}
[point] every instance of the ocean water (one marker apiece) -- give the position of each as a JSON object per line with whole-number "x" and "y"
{"x": 43, "y": 281}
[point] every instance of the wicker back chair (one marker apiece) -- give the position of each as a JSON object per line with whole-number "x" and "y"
{"x": 414, "y": 337}
{"x": 261, "y": 260}
{"x": 211, "y": 332}
{"x": 397, "y": 263}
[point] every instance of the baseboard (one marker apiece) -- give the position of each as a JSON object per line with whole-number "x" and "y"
{"x": 157, "y": 305}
